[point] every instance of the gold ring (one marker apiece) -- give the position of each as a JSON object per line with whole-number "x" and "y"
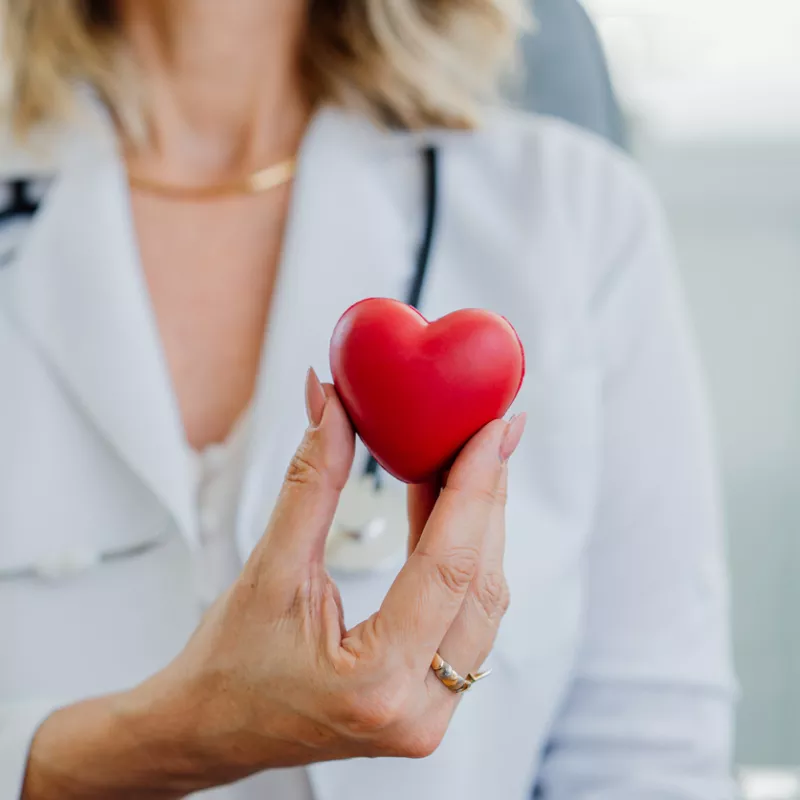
{"x": 451, "y": 679}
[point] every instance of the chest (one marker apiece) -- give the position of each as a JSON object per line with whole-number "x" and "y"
{"x": 210, "y": 268}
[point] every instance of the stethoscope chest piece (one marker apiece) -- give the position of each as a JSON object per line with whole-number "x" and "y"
{"x": 370, "y": 530}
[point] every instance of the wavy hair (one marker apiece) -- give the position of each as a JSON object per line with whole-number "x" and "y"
{"x": 406, "y": 63}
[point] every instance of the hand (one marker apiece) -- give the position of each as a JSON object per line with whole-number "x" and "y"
{"x": 273, "y": 678}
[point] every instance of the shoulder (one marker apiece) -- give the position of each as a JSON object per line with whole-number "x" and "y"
{"x": 577, "y": 152}
{"x": 574, "y": 188}
{"x": 578, "y": 174}
{"x": 579, "y": 230}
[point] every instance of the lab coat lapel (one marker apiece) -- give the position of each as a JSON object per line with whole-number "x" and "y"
{"x": 77, "y": 290}
{"x": 354, "y": 228}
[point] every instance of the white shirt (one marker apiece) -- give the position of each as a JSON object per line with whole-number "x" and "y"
{"x": 612, "y": 673}
{"x": 218, "y": 472}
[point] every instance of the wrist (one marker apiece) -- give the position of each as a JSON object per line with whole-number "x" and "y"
{"x": 86, "y": 751}
{"x": 129, "y": 744}
{"x": 172, "y": 721}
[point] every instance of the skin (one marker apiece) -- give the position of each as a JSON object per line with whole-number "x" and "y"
{"x": 271, "y": 677}
{"x": 226, "y": 101}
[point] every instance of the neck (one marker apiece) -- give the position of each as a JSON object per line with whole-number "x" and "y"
{"x": 223, "y": 82}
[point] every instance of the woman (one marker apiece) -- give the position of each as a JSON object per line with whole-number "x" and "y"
{"x": 138, "y": 402}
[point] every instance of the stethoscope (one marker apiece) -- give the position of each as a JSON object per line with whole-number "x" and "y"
{"x": 370, "y": 529}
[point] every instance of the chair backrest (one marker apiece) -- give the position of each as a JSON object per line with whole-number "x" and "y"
{"x": 566, "y": 70}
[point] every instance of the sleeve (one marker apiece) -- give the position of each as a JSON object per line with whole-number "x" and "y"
{"x": 648, "y": 715}
{"x": 18, "y": 725}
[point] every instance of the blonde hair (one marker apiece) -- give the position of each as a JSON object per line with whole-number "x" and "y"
{"x": 406, "y": 63}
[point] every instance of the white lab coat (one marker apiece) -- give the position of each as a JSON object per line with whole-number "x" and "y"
{"x": 611, "y": 672}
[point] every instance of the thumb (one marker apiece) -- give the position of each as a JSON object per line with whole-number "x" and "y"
{"x": 317, "y": 474}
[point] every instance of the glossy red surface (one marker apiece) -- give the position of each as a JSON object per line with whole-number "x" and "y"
{"x": 417, "y": 391}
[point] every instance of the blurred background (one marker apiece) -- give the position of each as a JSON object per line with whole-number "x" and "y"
{"x": 709, "y": 102}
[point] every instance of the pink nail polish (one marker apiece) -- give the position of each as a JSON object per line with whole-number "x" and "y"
{"x": 315, "y": 398}
{"x": 512, "y": 436}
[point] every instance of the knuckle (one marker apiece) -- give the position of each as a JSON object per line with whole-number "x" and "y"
{"x": 371, "y": 714}
{"x": 419, "y": 741}
{"x": 456, "y": 571}
{"x": 303, "y": 469}
{"x": 493, "y": 595}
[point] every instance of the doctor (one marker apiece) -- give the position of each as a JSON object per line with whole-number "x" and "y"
{"x": 195, "y": 193}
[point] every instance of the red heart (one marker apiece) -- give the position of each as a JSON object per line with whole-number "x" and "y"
{"x": 415, "y": 390}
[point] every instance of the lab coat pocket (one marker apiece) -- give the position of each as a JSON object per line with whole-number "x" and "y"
{"x": 59, "y": 522}
{"x": 553, "y": 481}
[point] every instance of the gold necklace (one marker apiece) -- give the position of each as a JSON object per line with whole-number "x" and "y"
{"x": 260, "y": 181}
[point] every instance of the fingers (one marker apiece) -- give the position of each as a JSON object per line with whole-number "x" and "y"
{"x": 427, "y": 594}
{"x": 421, "y": 500}
{"x": 470, "y": 638}
{"x": 316, "y": 476}
{"x": 494, "y": 545}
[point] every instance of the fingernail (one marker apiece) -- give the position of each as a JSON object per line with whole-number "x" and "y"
{"x": 512, "y": 436}
{"x": 315, "y": 398}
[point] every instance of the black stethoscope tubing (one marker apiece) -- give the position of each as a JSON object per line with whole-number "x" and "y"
{"x": 431, "y": 163}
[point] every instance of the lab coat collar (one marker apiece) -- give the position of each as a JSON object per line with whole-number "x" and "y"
{"x": 77, "y": 290}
